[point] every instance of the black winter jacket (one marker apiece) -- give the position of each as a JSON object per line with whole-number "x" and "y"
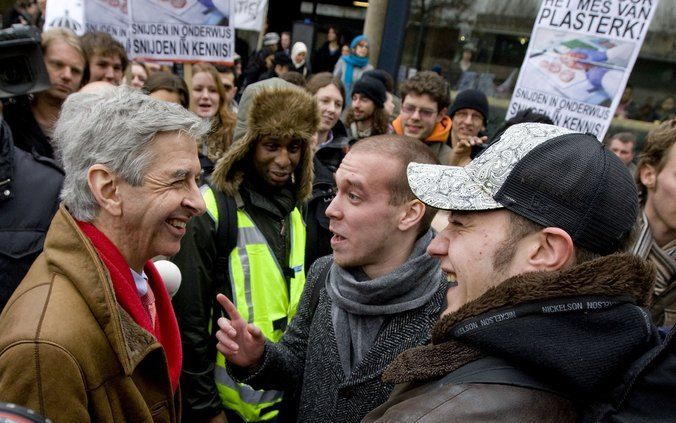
{"x": 29, "y": 198}
{"x": 570, "y": 334}
{"x": 26, "y": 131}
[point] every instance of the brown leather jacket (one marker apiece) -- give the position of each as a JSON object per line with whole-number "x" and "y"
{"x": 69, "y": 351}
{"x": 532, "y": 348}
{"x": 477, "y": 401}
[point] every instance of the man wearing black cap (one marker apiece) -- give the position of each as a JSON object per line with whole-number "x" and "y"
{"x": 469, "y": 113}
{"x": 542, "y": 315}
{"x": 366, "y": 115}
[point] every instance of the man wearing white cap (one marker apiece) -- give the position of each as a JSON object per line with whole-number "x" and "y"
{"x": 542, "y": 315}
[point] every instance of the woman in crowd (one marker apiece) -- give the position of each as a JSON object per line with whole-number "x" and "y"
{"x": 330, "y": 143}
{"x": 298, "y": 56}
{"x": 350, "y": 68}
{"x": 328, "y": 54}
{"x": 207, "y": 100}
{"x": 137, "y": 76}
{"x": 167, "y": 87}
{"x": 329, "y": 92}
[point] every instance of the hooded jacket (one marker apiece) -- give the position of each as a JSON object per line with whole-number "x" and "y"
{"x": 27, "y": 133}
{"x": 273, "y": 109}
{"x": 574, "y": 332}
{"x": 436, "y": 141}
{"x": 26, "y": 212}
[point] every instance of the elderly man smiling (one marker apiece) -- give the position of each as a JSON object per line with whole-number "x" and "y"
{"x": 90, "y": 334}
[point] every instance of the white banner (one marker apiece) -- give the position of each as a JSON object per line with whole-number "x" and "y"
{"x": 166, "y": 30}
{"x": 250, "y": 14}
{"x": 65, "y": 14}
{"x": 108, "y": 16}
{"x": 579, "y": 58}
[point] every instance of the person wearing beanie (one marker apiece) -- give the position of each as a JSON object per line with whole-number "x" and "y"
{"x": 257, "y": 188}
{"x": 366, "y": 116}
{"x": 280, "y": 65}
{"x": 469, "y": 113}
{"x": 351, "y": 67}
{"x": 271, "y": 40}
{"x": 425, "y": 98}
{"x": 393, "y": 103}
{"x": 298, "y": 56}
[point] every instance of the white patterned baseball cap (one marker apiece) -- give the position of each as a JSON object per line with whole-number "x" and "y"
{"x": 547, "y": 174}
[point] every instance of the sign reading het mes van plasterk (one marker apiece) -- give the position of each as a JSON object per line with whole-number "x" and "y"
{"x": 579, "y": 58}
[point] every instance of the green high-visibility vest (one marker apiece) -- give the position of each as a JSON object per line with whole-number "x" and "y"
{"x": 262, "y": 297}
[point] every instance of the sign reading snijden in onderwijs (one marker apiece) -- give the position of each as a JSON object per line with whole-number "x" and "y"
{"x": 168, "y": 30}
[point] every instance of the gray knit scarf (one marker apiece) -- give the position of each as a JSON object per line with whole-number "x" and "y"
{"x": 361, "y": 307}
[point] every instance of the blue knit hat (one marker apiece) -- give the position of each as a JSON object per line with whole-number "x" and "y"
{"x": 358, "y": 39}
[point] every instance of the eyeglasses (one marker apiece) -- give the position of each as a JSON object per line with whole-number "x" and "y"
{"x": 410, "y": 109}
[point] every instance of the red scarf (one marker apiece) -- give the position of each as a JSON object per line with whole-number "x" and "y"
{"x": 166, "y": 327}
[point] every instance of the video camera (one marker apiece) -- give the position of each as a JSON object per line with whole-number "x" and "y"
{"x": 22, "y": 69}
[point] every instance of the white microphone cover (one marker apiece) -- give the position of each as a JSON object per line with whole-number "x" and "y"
{"x": 171, "y": 275}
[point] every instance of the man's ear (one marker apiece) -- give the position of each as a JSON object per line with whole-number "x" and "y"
{"x": 441, "y": 113}
{"x": 553, "y": 250}
{"x": 647, "y": 174}
{"x": 104, "y": 185}
{"x": 413, "y": 212}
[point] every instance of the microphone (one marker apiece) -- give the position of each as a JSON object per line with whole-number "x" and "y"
{"x": 171, "y": 275}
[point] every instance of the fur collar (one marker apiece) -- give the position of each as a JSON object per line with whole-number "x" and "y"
{"x": 614, "y": 275}
{"x": 283, "y": 111}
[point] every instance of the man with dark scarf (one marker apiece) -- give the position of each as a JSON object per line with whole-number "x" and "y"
{"x": 376, "y": 296}
{"x": 544, "y": 314}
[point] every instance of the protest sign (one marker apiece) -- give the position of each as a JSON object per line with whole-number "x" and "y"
{"x": 579, "y": 58}
{"x": 166, "y": 30}
{"x": 107, "y": 16}
{"x": 181, "y": 30}
{"x": 250, "y": 14}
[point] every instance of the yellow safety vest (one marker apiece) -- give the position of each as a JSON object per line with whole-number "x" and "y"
{"x": 261, "y": 296}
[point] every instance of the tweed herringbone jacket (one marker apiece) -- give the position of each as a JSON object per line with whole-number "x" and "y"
{"x": 307, "y": 357}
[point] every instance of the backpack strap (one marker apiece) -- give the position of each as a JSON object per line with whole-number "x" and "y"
{"x": 226, "y": 240}
{"x": 322, "y": 279}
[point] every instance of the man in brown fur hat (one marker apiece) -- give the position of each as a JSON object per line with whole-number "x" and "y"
{"x": 543, "y": 317}
{"x": 258, "y": 259}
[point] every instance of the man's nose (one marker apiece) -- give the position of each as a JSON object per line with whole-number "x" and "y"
{"x": 194, "y": 200}
{"x": 333, "y": 211}
{"x": 282, "y": 159}
{"x": 439, "y": 246}
{"x": 66, "y": 73}
{"x": 110, "y": 74}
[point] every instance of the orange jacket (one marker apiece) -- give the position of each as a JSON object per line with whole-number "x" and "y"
{"x": 440, "y": 133}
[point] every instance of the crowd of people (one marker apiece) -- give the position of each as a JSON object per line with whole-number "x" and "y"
{"x": 349, "y": 250}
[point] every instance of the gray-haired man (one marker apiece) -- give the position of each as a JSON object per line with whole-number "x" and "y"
{"x": 90, "y": 334}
